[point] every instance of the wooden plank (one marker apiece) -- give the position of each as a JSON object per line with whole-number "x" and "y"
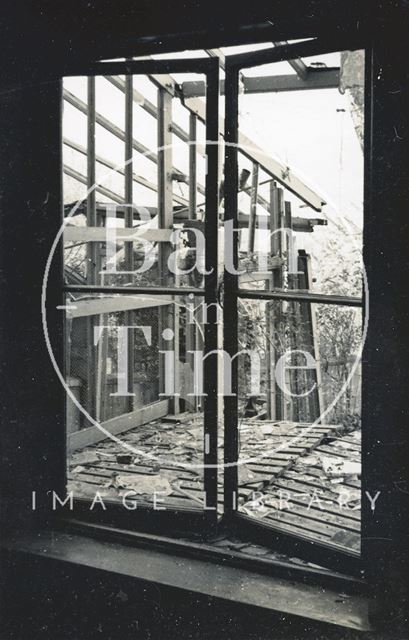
{"x": 109, "y": 126}
{"x": 111, "y": 165}
{"x": 259, "y": 276}
{"x": 111, "y": 195}
{"x": 115, "y": 426}
{"x": 73, "y": 233}
{"x": 253, "y": 208}
{"x": 351, "y": 518}
{"x": 95, "y": 306}
{"x": 297, "y": 64}
{"x": 303, "y": 511}
{"x": 305, "y": 225}
{"x": 311, "y": 528}
{"x": 316, "y": 79}
{"x": 294, "y": 487}
{"x": 150, "y": 108}
{"x": 192, "y": 166}
{"x": 314, "y": 477}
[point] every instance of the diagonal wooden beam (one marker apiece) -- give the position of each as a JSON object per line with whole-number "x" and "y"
{"x": 280, "y": 172}
{"x": 297, "y": 64}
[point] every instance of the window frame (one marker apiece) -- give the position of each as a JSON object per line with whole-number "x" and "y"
{"x": 325, "y": 554}
{"x": 194, "y": 520}
{"x": 198, "y": 521}
{"x": 35, "y": 418}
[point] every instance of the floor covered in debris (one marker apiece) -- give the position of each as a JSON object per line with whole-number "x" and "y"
{"x": 299, "y": 478}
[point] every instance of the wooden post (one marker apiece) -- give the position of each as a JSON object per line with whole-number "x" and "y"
{"x": 274, "y": 310}
{"x": 192, "y": 167}
{"x": 168, "y": 316}
{"x": 253, "y": 208}
{"x": 310, "y": 334}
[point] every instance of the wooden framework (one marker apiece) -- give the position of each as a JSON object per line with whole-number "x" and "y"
{"x": 315, "y": 79}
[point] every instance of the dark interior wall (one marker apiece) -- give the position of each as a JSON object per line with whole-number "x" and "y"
{"x": 36, "y": 39}
{"x": 48, "y": 34}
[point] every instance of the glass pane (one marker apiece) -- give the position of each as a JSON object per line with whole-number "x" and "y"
{"x": 135, "y": 399}
{"x": 304, "y": 193}
{"x": 125, "y": 243}
{"x": 300, "y": 418}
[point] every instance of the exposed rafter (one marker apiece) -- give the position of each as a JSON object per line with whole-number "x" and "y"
{"x": 316, "y": 79}
{"x": 297, "y": 64}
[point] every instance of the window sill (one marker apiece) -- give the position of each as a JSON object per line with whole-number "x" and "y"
{"x": 194, "y": 574}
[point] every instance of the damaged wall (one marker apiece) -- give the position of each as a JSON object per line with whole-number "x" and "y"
{"x": 352, "y": 82}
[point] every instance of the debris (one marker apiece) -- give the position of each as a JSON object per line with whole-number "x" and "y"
{"x": 124, "y": 458}
{"x": 347, "y": 496}
{"x": 78, "y": 469}
{"x": 144, "y": 484}
{"x": 335, "y": 467}
{"x": 84, "y": 457}
{"x": 266, "y": 430}
{"x": 106, "y": 456}
{"x": 343, "y": 445}
{"x": 312, "y": 461}
{"x": 245, "y": 475}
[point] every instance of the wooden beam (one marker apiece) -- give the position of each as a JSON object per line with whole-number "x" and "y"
{"x": 316, "y": 79}
{"x": 164, "y": 81}
{"x": 258, "y": 276}
{"x": 301, "y": 296}
{"x": 95, "y": 306}
{"x": 311, "y": 338}
{"x": 72, "y": 233}
{"x": 150, "y": 108}
{"x": 109, "y": 126}
{"x": 297, "y": 64}
{"x": 305, "y": 225}
{"x": 111, "y": 165}
{"x": 99, "y": 188}
{"x": 115, "y": 426}
{"x": 117, "y": 131}
{"x": 253, "y": 208}
{"x": 192, "y": 166}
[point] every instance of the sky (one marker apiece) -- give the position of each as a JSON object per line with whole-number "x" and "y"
{"x": 312, "y": 132}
